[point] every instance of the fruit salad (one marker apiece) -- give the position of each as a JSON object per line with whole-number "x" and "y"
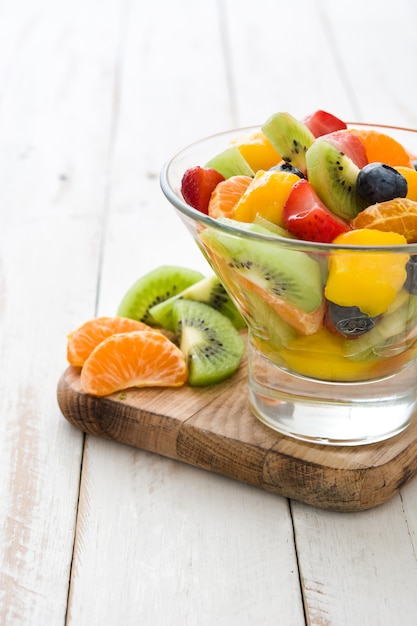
{"x": 312, "y": 232}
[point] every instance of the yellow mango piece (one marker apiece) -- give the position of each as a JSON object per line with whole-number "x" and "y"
{"x": 265, "y": 196}
{"x": 257, "y": 150}
{"x": 368, "y": 280}
{"x": 410, "y": 175}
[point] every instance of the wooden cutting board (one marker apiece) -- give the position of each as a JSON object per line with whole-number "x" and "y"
{"x": 213, "y": 428}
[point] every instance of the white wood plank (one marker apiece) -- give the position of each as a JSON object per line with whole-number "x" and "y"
{"x": 55, "y": 108}
{"x": 200, "y": 542}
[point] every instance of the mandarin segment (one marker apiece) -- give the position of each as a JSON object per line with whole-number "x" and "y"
{"x": 382, "y": 148}
{"x": 83, "y": 340}
{"x": 134, "y": 359}
{"x": 226, "y": 195}
{"x": 398, "y": 216}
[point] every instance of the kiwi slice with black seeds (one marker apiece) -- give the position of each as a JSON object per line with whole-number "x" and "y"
{"x": 156, "y": 286}
{"x": 289, "y": 274}
{"x": 333, "y": 175}
{"x": 209, "y": 341}
{"x": 208, "y": 290}
{"x": 290, "y": 137}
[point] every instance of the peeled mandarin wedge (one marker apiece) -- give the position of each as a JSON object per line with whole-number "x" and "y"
{"x": 382, "y": 148}
{"x": 135, "y": 359}
{"x": 83, "y": 340}
{"x": 265, "y": 196}
{"x": 398, "y": 216}
{"x": 226, "y": 195}
{"x": 257, "y": 150}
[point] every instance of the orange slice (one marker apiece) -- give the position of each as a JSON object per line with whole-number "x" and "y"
{"x": 83, "y": 340}
{"x": 226, "y": 195}
{"x": 144, "y": 358}
{"x": 382, "y": 148}
{"x": 398, "y": 216}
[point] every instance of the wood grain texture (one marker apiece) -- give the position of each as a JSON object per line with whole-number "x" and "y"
{"x": 214, "y": 429}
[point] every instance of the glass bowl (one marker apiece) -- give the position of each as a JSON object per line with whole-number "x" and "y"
{"x": 305, "y": 380}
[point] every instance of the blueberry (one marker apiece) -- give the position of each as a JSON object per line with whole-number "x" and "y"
{"x": 349, "y": 320}
{"x": 378, "y": 182}
{"x": 287, "y": 167}
{"x": 410, "y": 284}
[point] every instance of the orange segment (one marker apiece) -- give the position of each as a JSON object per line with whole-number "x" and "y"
{"x": 144, "y": 358}
{"x": 382, "y": 148}
{"x": 225, "y": 196}
{"x": 398, "y": 216}
{"x": 83, "y": 340}
{"x": 265, "y": 196}
{"x": 257, "y": 150}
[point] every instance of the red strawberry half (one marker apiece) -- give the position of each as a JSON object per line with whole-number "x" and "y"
{"x": 306, "y": 217}
{"x": 320, "y": 123}
{"x": 197, "y": 185}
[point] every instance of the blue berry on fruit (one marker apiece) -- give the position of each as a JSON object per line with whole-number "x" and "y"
{"x": 378, "y": 182}
{"x": 349, "y": 320}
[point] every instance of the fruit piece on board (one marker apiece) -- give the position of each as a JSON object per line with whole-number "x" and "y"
{"x": 308, "y": 218}
{"x": 333, "y": 175}
{"x": 257, "y": 150}
{"x": 226, "y": 195}
{"x": 212, "y": 346}
{"x": 197, "y": 185}
{"x": 398, "y": 215}
{"x": 321, "y": 122}
{"x": 265, "y": 196}
{"x": 230, "y": 162}
{"x": 288, "y": 274}
{"x": 349, "y": 144}
{"x": 290, "y": 138}
{"x": 367, "y": 279}
{"x": 157, "y": 285}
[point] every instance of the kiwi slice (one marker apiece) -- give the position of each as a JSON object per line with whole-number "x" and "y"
{"x": 230, "y": 162}
{"x": 290, "y": 138}
{"x": 208, "y": 290}
{"x": 154, "y": 287}
{"x": 209, "y": 341}
{"x": 333, "y": 175}
{"x": 290, "y": 274}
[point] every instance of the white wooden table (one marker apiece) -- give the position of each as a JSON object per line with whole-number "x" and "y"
{"x": 94, "y": 96}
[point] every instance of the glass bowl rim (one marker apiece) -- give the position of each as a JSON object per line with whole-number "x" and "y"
{"x": 299, "y": 244}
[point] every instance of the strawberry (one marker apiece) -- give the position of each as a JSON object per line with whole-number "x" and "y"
{"x": 320, "y": 123}
{"x": 197, "y": 185}
{"x": 306, "y": 217}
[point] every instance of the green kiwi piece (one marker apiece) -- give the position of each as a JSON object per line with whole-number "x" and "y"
{"x": 208, "y": 290}
{"x": 155, "y": 286}
{"x": 289, "y": 274}
{"x": 290, "y": 138}
{"x": 390, "y": 331}
{"x": 230, "y": 162}
{"x": 333, "y": 175}
{"x": 274, "y": 229}
{"x": 209, "y": 341}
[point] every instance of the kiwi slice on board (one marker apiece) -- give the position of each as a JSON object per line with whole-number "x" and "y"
{"x": 290, "y": 137}
{"x": 230, "y": 162}
{"x": 209, "y": 341}
{"x": 208, "y": 290}
{"x": 291, "y": 275}
{"x": 333, "y": 175}
{"x": 154, "y": 287}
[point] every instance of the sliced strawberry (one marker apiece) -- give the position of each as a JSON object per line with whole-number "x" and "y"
{"x": 306, "y": 217}
{"x": 349, "y": 144}
{"x": 197, "y": 185}
{"x": 321, "y": 123}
